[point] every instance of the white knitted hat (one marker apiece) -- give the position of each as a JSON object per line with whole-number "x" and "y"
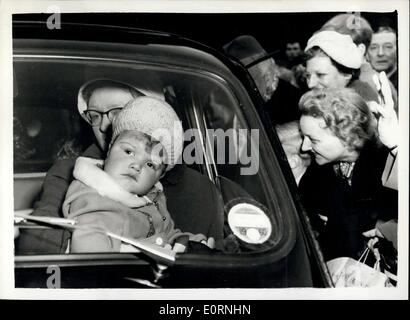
{"x": 155, "y": 118}
{"x": 340, "y": 47}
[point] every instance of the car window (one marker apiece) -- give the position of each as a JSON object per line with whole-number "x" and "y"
{"x": 227, "y": 145}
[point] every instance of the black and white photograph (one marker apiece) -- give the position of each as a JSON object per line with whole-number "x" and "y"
{"x": 204, "y": 150}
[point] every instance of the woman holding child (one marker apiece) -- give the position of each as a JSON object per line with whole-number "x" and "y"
{"x": 122, "y": 194}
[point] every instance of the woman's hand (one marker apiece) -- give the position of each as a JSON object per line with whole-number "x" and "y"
{"x": 387, "y": 122}
{"x": 374, "y": 235}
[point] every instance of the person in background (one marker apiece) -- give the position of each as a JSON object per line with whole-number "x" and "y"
{"x": 382, "y": 53}
{"x": 334, "y": 61}
{"x": 293, "y": 53}
{"x": 344, "y": 184}
{"x": 362, "y": 33}
{"x": 280, "y": 97}
{"x": 290, "y": 67}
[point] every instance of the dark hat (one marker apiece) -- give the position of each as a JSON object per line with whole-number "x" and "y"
{"x": 245, "y": 48}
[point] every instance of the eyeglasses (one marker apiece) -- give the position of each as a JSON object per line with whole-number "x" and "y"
{"x": 94, "y": 117}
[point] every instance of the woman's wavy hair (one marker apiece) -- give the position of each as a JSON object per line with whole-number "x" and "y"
{"x": 345, "y": 113}
{"x": 318, "y": 52}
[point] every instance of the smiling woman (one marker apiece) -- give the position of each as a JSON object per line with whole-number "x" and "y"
{"x": 333, "y": 61}
{"x": 335, "y": 124}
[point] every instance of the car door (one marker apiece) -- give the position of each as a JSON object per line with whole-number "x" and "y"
{"x": 209, "y": 93}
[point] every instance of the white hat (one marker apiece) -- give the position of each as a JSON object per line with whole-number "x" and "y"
{"x": 339, "y": 47}
{"x": 82, "y": 99}
{"x": 155, "y": 118}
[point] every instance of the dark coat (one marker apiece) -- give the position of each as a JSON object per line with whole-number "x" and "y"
{"x": 351, "y": 209}
{"x": 283, "y": 106}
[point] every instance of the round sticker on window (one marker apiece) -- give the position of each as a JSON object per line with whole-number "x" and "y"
{"x": 249, "y": 223}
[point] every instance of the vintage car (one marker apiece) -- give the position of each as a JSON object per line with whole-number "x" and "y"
{"x": 261, "y": 213}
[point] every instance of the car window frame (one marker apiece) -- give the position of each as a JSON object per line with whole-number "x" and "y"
{"x": 245, "y": 102}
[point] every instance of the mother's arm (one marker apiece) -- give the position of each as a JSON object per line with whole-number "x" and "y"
{"x": 50, "y": 203}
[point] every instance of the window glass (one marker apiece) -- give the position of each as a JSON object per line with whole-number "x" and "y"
{"x": 224, "y": 145}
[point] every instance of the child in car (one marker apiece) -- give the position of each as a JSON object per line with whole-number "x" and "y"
{"x": 122, "y": 194}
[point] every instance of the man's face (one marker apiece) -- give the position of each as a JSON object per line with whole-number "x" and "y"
{"x": 321, "y": 73}
{"x": 321, "y": 141}
{"x": 133, "y": 165}
{"x": 293, "y": 50}
{"x": 382, "y": 52}
{"x": 103, "y": 100}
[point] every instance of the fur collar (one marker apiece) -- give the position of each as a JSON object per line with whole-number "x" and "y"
{"x": 89, "y": 171}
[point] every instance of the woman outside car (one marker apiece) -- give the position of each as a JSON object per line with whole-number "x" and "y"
{"x": 344, "y": 185}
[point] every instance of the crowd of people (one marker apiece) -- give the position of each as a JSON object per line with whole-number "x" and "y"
{"x": 339, "y": 128}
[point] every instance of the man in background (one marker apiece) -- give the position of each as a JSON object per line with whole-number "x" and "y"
{"x": 382, "y": 53}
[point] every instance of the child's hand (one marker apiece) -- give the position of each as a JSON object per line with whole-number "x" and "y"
{"x": 210, "y": 243}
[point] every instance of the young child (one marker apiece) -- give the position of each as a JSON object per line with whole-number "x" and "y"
{"x": 123, "y": 194}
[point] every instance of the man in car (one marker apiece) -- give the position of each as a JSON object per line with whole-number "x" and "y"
{"x": 193, "y": 201}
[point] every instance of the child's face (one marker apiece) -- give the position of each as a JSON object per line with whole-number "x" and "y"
{"x": 132, "y": 164}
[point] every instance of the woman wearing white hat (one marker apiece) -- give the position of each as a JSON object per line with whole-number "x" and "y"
{"x": 334, "y": 61}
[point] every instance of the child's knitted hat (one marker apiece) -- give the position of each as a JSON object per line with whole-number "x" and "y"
{"x": 155, "y": 118}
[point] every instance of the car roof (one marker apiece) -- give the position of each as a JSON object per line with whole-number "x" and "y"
{"x": 105, "y": 39}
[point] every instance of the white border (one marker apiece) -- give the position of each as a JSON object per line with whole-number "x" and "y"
{"x": 9, "y": 7}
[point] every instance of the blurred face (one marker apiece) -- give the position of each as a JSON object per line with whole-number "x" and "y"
{"x": 382, "y": 52}
{"x": 133, "y": 165}
{"x": 298, "y": 161}
{"x": 322, "y": 143}
{"x": 264, "y": 74}
{"x": 321, "y": 73}
{"x": 293, "y": 50}
{"x": 103, "y": 100}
